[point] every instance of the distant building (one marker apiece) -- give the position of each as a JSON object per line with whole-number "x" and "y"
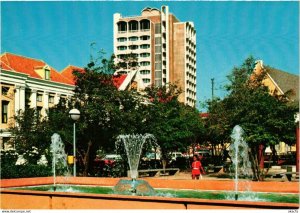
{"x": 28, "y": 83}
{"x": 164, "y": 47}
{"x": 279, "y": 82}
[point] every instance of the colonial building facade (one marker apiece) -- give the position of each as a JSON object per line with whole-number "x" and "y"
{"x": 164, "y": 47}
{"x": 279, "y": 82}
{"x": 28, "y": 83}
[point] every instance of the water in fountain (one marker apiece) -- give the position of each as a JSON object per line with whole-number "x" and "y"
{"x": 241, "y": 165}
{"x": 133, "y": 145}
{"x": 59, "y": 158}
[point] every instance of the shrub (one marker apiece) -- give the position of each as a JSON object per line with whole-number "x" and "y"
{"x": 24, "y": 171}
{"x": 8, "y": 157}
{"x": 32, "y": 156}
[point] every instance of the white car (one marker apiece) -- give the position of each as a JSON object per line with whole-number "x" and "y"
{"x": 175, "y": 155}
{"x": 112, "y": 157}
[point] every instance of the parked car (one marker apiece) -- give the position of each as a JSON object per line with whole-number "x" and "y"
{"x": 203, "y": 152}
{"x": 175, "y": 155}
{"x": 151, "y": 156}
{"x": 105, "y": 167}
{"x": 111, "y": 159}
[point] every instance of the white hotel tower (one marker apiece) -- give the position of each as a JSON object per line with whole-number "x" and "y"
{"x": 164, "y": 46}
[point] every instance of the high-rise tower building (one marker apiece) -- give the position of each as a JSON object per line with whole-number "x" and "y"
{"x": 164, "y": 47}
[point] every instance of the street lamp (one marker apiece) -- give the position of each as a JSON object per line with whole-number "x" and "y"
{"x": 75, "y": 115}
{"x": 297, "y": 120}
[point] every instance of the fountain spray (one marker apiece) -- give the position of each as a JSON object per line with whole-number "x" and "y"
{"x": 59, "y": 157}
{"x": 238, "y": 151}
{"x": 133, "y": 146}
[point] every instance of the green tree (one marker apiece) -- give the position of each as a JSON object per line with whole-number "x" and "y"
{"x": 191, "y": 126}
{"x": 105, "y": 111}
{"x": 266, "y": 119}
{"x": 28, "y": 134}
{"x": 95, "y": 97}
{"x": 174, "y": 124}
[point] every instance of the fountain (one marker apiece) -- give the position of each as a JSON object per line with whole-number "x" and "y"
{"x": 114, "y": 193}
{"x": 133, "y": 146}
{"x": 238, "y": 152}
{"x": 59, "y": 157}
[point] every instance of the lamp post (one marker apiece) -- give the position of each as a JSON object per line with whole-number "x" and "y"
{"x": 75, "y": 115}
{"x": 297, "y": 119}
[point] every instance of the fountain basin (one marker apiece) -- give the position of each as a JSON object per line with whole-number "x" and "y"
{"x": 29, "y": 199}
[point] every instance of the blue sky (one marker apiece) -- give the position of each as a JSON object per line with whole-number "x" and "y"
{"x": 60, "y": 33}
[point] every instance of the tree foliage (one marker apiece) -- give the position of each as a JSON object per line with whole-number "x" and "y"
{"x": 266, "y": 119}
{"x": 29, "y": 131}
{"x": 174, "y": 124}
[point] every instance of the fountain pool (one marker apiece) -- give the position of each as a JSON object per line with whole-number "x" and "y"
{"x": 180, "y": 193}
{"x": 170, "y": 194}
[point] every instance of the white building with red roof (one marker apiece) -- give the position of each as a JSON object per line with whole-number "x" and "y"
{"x": 29, "y": 83}
{"x": 32, "y": 83}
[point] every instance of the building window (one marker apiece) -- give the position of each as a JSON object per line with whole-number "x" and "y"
{"x": 158, "y": 74}
{"x": 47, "y": 74}
{"x": 145, "y": 72}
{"x": 133, "y": 38}
{"x": 122, "y": 39}
{"x": 146, "y": 80}
{"x": 122, "y": 48}
{"x": 39, "y": 97}
{"x": 145, "y": 63}
{"x": 158, "y": 83}
{"x": 5, "y": 91}
{"x": 51, "y": 99}
{"x": 145, "y": 46}
{"x": 157, "y": 57}
{"x": 144, "y": 55}
{"x": 158, "y": 66}
{"x": 27, "y": 97}
{"x": 145, "y": 38}
{"x": 122, "y": 26}
{"x": 145, "y": 25}
{"x": 133, "y": 64}
{"x": 133, "y": 47}
{"x": 158, "y": 49}
{"x": 157, "y": 28}
{"x": 4, "y": 111}
{"x": 157, "y": 40}
{"x": 133, "y": 55}
{"x": 133, "y": 25}
{"x": 121, "y": 56}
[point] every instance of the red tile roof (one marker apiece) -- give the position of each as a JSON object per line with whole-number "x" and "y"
{"x": 68, "y": 72}
{"x": 16, "y": 63}
{"x": 119, "y": 79}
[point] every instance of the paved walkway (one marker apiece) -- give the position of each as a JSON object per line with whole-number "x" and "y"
{"x": 211, "y": 176}
{"x": 186, "y": 176}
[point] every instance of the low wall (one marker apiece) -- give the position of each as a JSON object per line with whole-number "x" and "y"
{"x": 26, "y": 199}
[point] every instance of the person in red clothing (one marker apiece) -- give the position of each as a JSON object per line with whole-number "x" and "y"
{"x": 197, "y": 168}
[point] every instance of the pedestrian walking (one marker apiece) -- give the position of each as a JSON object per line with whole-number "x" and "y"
{"x": 197, "y": 168}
